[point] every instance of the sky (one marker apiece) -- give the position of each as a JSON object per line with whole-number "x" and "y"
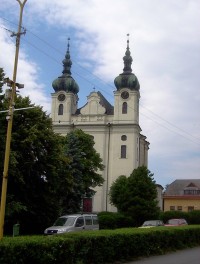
{"x": 165, "y": 47}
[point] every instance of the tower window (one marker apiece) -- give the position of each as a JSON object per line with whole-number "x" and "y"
{"x": 124, "y": 108}
{"x": 123, "y": 137}
{"x": 123, "y": 151}
{"x": 60, "y": 109}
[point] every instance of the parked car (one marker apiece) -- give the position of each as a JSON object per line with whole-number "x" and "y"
{"x": 152, "y": 223}
{"x": 176, "y": 222}
{"x": 74, "y": 222}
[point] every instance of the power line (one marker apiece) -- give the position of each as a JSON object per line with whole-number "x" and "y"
{"x": 106, "y": 92}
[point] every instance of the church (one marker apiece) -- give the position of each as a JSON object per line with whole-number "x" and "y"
{"x": 115, "y": 129}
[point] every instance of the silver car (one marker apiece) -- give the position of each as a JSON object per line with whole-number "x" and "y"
{"x": 152, "y": 223}
{"x": 73, "y": 222}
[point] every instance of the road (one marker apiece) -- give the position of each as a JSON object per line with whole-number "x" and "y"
{"x": 186, "y": 256}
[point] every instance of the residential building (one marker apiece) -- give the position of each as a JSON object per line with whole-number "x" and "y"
{"x": 182, "y": 195}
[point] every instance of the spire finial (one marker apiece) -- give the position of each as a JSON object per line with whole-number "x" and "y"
{"x": 68, "y": 44}
{"x": 67, "y": 63}
{"x": 127, "y": 58}
{"x": 128, "y": 40}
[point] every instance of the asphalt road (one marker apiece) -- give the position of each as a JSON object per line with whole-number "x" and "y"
{"x": 186, "y": 256}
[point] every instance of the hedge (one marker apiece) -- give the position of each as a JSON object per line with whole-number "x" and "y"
{"x": 103, "y": 246}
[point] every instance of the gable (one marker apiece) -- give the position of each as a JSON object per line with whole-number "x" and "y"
{"x": 181, "y": 187}
{"x": 96, "y": 105}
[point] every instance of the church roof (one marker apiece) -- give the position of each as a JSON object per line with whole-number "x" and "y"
{"x": 127, "y": 79}
{"x": 103, "y": 102}
{"x": 178, "y": 186}
{"x": 66, "y": 82}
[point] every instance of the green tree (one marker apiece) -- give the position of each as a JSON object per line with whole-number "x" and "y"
{"x": 85, "y": 164}
{"x": 2, "y": 75}
{"x": 136, "y": 195}
{"x": 38, "y": 176}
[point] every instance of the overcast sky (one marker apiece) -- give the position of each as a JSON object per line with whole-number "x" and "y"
{"x": 164, "y": 44}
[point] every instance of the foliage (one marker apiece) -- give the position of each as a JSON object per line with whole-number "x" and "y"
{"x": 84, "y": 165}
{"x": 192, "y": 217}
{"x": 2, "y": 75}
{"x": 111, "y": 220}
{"x": 136, "y": 195}
{"x": 103, "y": 246}
{"x": 37, "y": 176}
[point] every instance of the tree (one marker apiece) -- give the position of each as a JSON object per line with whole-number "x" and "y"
{"x": 84, "y": 165}
{"x": 38, "y": 177}
{"x": 2, "y": 74}
{"x": 136, "y": 195}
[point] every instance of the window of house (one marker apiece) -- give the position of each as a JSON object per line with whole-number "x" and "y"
{"x": 179, "y": 208}
{"x": 124, "y": 108}
{"x": 123, "y": 151}
{"x": 60, "y": 109}
{"x": 172, "y": 208}
{"x": 191, "y": 192}
{"x": 190, "y": 208}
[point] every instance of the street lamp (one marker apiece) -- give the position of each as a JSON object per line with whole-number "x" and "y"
{"x": 10, "y": 121}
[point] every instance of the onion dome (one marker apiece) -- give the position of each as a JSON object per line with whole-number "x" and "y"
{"x": 66, "y": 82}
{"x": 127, "y": 79}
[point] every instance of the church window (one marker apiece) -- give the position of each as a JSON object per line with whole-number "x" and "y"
{"x": 124, "y": 108}
{"x": 60, "y": 109}
{"x": 123, "y": 151}
{"x": 123, "y": 137}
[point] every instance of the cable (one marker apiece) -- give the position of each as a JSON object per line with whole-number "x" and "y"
{"x": 106, "y": 92}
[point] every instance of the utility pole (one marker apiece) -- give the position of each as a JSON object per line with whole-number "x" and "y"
{"x": 10, "y": 121}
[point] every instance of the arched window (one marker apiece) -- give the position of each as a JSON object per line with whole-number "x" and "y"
{"x": 124, "y": 108}
{"x": 60, "y": 109}
{"x": 123, "y": 151}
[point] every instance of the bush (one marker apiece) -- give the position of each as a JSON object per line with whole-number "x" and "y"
{"x": 102, "y": 246}
{"x": 110, "y": 220}
{"x": 193, "y": 217}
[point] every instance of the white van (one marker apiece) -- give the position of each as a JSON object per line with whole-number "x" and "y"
{"x": 73, "y": 222}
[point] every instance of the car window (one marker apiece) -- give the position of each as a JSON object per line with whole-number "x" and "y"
{"x": 79, "y": 222}
{"x": 173, "y": 222}
{"x": 64, "y": 221}
{"x": 95, "y": 220}
{"x": 88, "y": 220}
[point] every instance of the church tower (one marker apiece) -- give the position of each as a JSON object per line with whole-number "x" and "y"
{"x": 116, "y": 129}
{"x": 65, "y": 99}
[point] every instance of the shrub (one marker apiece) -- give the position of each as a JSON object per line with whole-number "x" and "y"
{"x": 165, "y": 216}
{"x": 110, "y": 220}
{"x": 193, "y": 217}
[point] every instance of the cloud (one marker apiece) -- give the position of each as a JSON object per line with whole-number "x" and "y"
{"x": 27, "y": 70}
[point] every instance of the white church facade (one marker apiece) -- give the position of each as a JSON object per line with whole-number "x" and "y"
{"x": 116, "y": 129}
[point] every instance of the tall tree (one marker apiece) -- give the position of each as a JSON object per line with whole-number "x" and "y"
{"x": 2, "y": 74}
{"x": 136, "y": 195}
{"x": 85, "y": 165}
{"x": 37, "y": 176}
